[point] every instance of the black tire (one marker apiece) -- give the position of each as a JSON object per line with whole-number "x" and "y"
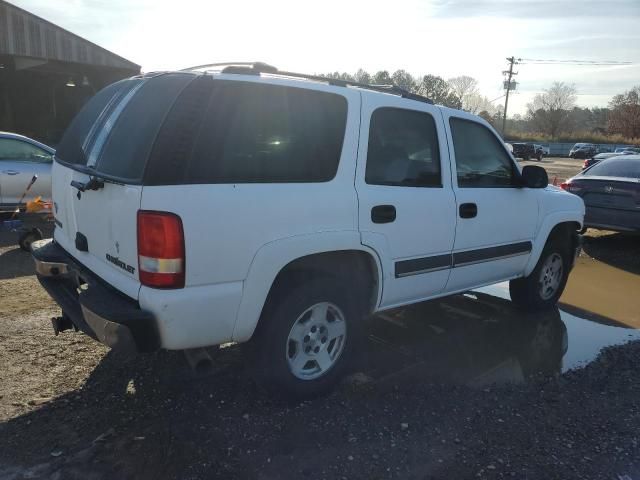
{"x": 540, "y": 155}
{"x": 526, "y": 158}
{"x": 28, "y": 237}
{"x": 527, "y": 292}
{"x": 271, "y": 347}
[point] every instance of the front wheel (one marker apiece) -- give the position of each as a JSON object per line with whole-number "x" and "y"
{"x": 307, "y": 337}
{"x": 544, "y": 286}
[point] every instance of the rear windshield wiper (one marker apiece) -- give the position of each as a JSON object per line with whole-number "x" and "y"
{"x": 94, "y": 183}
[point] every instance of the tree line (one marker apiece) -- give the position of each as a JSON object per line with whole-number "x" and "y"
{"x": 551, "y": 115}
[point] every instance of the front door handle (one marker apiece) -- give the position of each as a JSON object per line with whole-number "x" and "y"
{"x": 383, "y": 214}
{"x": 468, "y": 210}
{"x": 11, "y": 172}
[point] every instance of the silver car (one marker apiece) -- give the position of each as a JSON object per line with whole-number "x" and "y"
{"x": 20, "y": 159}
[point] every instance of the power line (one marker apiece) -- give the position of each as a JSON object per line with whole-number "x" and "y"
{"x": 543, "y": 61}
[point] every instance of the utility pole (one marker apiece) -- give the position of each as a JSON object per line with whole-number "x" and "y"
{"x": 508, "y": 87}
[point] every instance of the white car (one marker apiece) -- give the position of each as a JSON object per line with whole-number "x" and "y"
{"x": 203, "y": 207}
{"x": 20, "y": 159}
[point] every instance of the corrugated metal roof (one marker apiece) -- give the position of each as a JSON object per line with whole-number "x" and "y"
{"x": 25, "y": 34}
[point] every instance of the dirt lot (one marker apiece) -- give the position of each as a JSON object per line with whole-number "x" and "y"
{"x": 558, "y": 168}
{"x": 466, "y": 387}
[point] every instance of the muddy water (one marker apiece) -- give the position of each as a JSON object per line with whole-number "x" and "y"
{"x": 480, "y": 338}
{"x": 604, "y": 291}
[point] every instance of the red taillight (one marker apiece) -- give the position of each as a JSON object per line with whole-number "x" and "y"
{"x": 570, "y": 187}
{"x": 161, "y": 261}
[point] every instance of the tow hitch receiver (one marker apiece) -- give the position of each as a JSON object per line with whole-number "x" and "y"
{"x": 60, "y": 324}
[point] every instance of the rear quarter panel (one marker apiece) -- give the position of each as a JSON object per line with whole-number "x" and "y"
{"x": 225, "y": 225}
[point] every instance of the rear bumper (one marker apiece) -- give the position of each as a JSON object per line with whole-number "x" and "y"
{"x": 94, "y": 307}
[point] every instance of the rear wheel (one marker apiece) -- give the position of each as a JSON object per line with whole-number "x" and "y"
{"x": 307, "y": 337}
{"x": 28, "y": 237}
{"x": 544, "y": 286}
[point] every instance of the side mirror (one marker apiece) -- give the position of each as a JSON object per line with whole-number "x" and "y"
{"x": 534, "y": 176}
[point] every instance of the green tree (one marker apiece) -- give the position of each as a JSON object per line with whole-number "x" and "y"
{"x": 382, "y": 78}
{"x": 625, "y": 113}
{"x": 340, "y": 76}
{"x": 549, "y": 110}
{"x": 362, "y": 76}
{"x": 405, "y": 80}
{"x": 438, "y": 90}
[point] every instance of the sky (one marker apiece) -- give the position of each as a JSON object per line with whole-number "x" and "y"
{"x": 440, "y": 37}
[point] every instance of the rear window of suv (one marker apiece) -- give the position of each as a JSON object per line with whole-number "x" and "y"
{"x": 114, "y": 132}
{"x": 242, "y": 132}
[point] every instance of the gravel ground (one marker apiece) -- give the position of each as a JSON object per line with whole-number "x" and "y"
{"x": 71, "y": 409}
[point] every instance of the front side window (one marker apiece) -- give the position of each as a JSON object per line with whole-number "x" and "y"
{"x": 12, "y": 149}
{"x": 481, "y": 160}
{"x": 403, "y": 149}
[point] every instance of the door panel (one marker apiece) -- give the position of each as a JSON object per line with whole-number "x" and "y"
{"x": 16, "y": 175}
{"x": 20, "y": 160}
{"x": 403, "y": 167}
{"x": 493, "y": 244}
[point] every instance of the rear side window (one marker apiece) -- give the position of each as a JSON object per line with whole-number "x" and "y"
{"x": 615, "y": 167}
{"x": 481, "y": 160}
{"x": 241, "y": 132}
{"x": 403, "y": 149}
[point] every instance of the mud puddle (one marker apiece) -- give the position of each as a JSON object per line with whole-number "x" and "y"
{"x": 480, "y": 338}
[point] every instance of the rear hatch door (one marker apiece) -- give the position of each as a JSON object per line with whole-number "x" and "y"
{"x": 98, "y": 172}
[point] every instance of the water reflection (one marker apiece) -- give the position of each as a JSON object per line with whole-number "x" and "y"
{"x": 480, "y": 338}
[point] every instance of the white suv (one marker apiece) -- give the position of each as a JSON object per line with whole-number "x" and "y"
{"x": 202, "y": 207}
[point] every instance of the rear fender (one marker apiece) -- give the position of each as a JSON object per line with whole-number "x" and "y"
{"x": 272, "y": 257}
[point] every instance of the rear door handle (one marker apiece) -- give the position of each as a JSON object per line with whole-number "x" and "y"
{"x": 383, "y": 214}
{"x": 11, "y": 172}
{"x": 468, "y": 210}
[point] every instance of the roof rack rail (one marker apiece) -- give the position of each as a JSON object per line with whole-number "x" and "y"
{"x": 256, "y": 68}
{"x": 392, "y": 89}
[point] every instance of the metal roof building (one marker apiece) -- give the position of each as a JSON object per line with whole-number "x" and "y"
{"x": 47, "y": 73}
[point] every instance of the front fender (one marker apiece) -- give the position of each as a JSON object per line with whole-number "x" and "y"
{"x": 272, "y": 257}
{"x": 549, "y": 222}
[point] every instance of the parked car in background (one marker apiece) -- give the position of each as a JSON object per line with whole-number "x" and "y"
{"x": 611, "y": 193}
{"x": 583, "y": 150}
{"x": 20, "y": 159}
{"x": 588, "y": 162}
{"x": 541, "y": 151}
{"x": 509, "y": 147}
{"x": 525, "y": 151}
